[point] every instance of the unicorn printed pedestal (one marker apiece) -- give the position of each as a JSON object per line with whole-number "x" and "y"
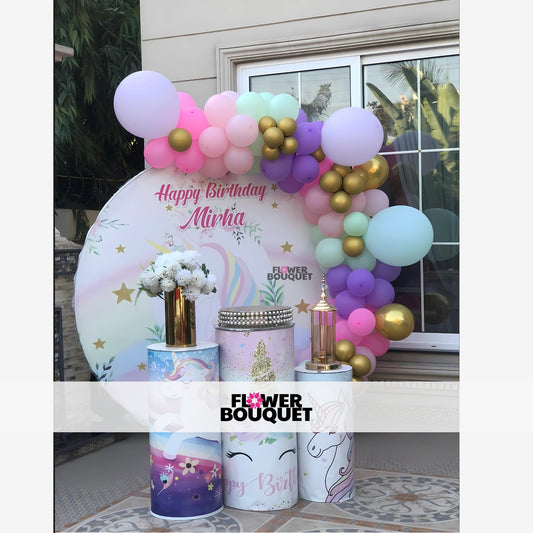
{"x": 185, "y": 469}
{"x": 326, "y": 458}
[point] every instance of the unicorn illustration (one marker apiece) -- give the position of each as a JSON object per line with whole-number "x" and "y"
{"x": 190, "y": 369}
{"x": 340, "y": 474}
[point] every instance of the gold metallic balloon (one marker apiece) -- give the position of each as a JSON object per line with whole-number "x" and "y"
{"x": 319, "y": 154}
{"x": 357, "y": 379}
{"x": 360, "y": 364}
{"x": 353, "y": 246}
{"x": 341, "y": 169}
{"x": 330, "y": 181}
{"x": 270, "y": 154}
{"x": 344, "y": 350}
{"x": 273, "y": 137}
{"x": 355, "y": 181}
{"x": 289, "y": 146}
{"x": 179, "y": 139}
{"x": 378, "y": 171}
{"x": 394, "y": 321}
{"x": 340, "y": 202}
{"x": 265, "y": 123}
{"x": 287, "y": 125}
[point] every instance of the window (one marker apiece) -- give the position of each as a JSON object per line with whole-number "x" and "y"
{"x": 415, "y": 95}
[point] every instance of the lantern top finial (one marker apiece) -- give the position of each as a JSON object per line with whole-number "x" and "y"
{"x": 323, "y": 304}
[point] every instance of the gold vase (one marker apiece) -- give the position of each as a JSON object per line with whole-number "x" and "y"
{"x": 180, "y": 320}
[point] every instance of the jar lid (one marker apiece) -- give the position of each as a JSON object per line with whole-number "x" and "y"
{"x": 255, "y": 316}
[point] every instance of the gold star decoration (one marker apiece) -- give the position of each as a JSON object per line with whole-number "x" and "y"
{"x": 141, "y": 366}
{"x": 120, "y": 249}
{"x": 168, "y": 208}
{"x": 287, "y": 247}
{"x": 99, "y": 344}
{"x": 302, "y": 307}
{"x": 274, "y": 187}
{"x": 123, "y": 293}
{"x": 274, "y": 205}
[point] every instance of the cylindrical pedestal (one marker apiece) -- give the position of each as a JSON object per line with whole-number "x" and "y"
{"x": 185, "y": 468}
{"x": 326, "y": 459}
{"x": 260, "y": 469}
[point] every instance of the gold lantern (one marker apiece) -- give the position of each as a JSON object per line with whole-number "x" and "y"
{"x": 323, "y": 334}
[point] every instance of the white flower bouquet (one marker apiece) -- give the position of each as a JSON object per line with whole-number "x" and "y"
{"x": 178, "y": 269}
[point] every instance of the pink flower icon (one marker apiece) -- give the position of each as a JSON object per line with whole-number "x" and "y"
{"x": 254, "y": 400}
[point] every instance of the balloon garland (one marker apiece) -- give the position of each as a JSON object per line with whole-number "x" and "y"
{"x": 360, "y": 242}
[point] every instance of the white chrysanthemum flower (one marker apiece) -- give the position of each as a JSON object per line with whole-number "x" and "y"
{"x": 198, "y": 277}
{"x": 209, "y": 284}
{"x": 168, "y": 285}
{"x": 189, "y": 259}
{"x": 150, "y": 281}
{"x": 191, "y": 293}
{"x": 183, "y": 277}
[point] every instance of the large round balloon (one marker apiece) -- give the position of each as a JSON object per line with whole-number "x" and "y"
{"x": 399, "y": 235}
{"x": 146, "y": 104}
{"x": 351, "y": 136}
{"x": 394, "y": 321}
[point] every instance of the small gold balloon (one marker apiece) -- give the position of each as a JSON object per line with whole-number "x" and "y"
{"x": 330, "y": 181}
{"x": 353, "y": 246}
{"x": 289, "y": 146}
{"x": 270, "y": 154}
{"x": 344, "y": 350}
{"x": 394, "y": 321}
{"x": 360, "y": 364}
{"x": 319, "y": 154}
{"x": 340, "y": 202}
{"x": 341, "y": 169}
{"x": 357, "y": 379}
{"x": 355, "y": 181}
{"x": 179, "y": 139}
{"x": 265, "y": 123}
{"x": 273, "y": 137}
{"x": 378, "y": 171}
{"x": 287, "y": 125}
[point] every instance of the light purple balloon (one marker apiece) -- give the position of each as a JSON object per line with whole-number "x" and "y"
{"x": 336, "y": 279}
{"x": 277, "y": 170}
{"x": 361, "y": 282}
{"x": 308, "y": 136}
{"x": 290, "y": 185}
{"x": 387, "y": 272}
{"x": 304, "y": 168}
{"x": 302, "y": 117}
{"x": 351, "y": 136}
{"x": 346, "y": 302}
{"x": 382, "y": 294}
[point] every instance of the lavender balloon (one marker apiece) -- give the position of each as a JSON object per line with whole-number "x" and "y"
{"x": 290, "y": 185}
{"x": 308, "y": 136}
{"x": 382, "y": 294}
{"x": 387, "y": 272}
{"x": 277, "y": 170}
{"x": 360, "y": 282}
{"x": 336, "y": 279}
{"x": 346, "y": 302}
{"x": 304, "y": 168}
{"x": 302, "y": 117}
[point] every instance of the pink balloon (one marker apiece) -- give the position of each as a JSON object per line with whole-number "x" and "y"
{"x": 362, "y": 321}
{"x": 317, "y": 201}
{"x": 214, "y": 167}
{"x": 191, "y": 160}
{"x": 213, "y": 141}
{"x": 158, "y": 153}
{"x": 376, "y": 342}
{"x": 238, "y": 160}
{"x": 343, "y": 332}
{"x": 309, "y": 216}
{"x": 363, "y": 350}
{"x": 193, "y": 120}
{"x": 219, "y": 109}
{"x": 358, "y": 202}
{"x": 376, "y": 201}
{"x": 186, "y": 100}
{"x": 242, "y": 130}
{"x": 330, "y": 224}
{"x": 324, "y": 165}
{"x": 232, "y": 94}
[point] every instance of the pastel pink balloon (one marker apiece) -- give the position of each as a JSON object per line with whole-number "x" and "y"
{"x": 309, "y": 216}
{"x": 214, "y": 167}
{"x": 376, "y": 342}
{"x": 317, "y": 200}
{"x": 219, "y": 109}
{"x": 186, "y": 100}
{"x": 232, "y": 94}
{"x": 213, "y": 141}
{"x": 343, "y": 332}
{"x": 330, "y": 224}
{"x": 242, "y": 130}
{"x": 193, "y": 120}
{"x": 362, "y": 321}
{"x": 191, "y": 160}
{"x": 324, "y": 165}
{"x": 358, "y": 202}
{"x": 238, "y": 160}
{"x": 376, "y": 201}
{"x": 158, "y": 153}
{"x": 367, "y": 352}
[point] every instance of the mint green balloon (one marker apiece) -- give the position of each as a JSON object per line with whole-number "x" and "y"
{"x": 315, "y": 234}
{"x": 365, "y": 260}
{"x": 252, "y": 104}
{"x": 267, "y": 96}
{"x": 329, "y": 252}
{"x": 355, "y": 223}
{"x": 283, "y": 105}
